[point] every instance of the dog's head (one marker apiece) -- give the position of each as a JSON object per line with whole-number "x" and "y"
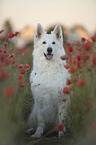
{"x": 48, "y": 44}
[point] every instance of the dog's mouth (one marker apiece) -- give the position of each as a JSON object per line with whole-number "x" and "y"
{"x": 48, "y": 56}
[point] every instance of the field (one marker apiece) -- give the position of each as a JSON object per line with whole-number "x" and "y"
{"x": 16, "y": 99}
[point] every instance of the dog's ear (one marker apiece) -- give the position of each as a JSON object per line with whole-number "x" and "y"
{"x": 58, "y": 31}
{"x": 39, "y": 30}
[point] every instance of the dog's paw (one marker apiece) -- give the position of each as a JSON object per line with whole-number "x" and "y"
{"x": 60, "y": 134}
{"x": 36, "y": 135}
{"x": 29, "y": 131}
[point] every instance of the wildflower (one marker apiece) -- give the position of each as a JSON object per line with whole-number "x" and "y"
{"x": 70, "y": 60}
{"x": 64, "y": 100}
{"x": 68, "y": 82}
{"x": 22, "y": 85}
{"x": 28, "y": 66}
{"x": 5, "y": 51}
{"x": 23, "y": 71}
{"x": 16, "y": 33}
{"x": 66, "y": 90}
{"x": 10, "y": 35}
{"x": 85, "y": 56}
{"x": 72, "y": 86}
{"x": 4, "y": 37}
{"x": 72, "y": 70}
{"x": 78, "y": 65}
{"x": 12, "y": 55}
{"x": 83, "y": 39}
{"x": 67, "y": 66}
{"x": 9, "y": 91}
{"x": 74, "y": 79}
{"x": 1, "y": 50}
{"x": 93, "y": 61}
{"x": 68, "y": 44}
{"x": 79, "y": 57}
{"x": 59, "y": 127}
{"x": 81, "y": 83}
{"x": 87, "y": 46}
{"x": 70, "y": 49}
{"x": 13, "y": 61}
{"x": 64, "y": 57}
{"x": 20, "y": 76}
{"x": 21, "y": 66}
{"x": 93, "y": 38}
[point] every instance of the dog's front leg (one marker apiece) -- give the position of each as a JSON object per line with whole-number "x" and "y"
{"x": 39, "y": 131}
{"x": 40, "y": 128}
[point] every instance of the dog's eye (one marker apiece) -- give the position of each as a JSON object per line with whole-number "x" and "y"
{"x": 53, "y": 42}
{"x": 44, "y": 42}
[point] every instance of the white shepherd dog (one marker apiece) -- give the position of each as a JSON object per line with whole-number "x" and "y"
{"x": 48, "y": 78}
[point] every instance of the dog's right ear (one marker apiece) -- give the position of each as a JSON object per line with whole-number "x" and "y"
{"x": 39, "y": 31}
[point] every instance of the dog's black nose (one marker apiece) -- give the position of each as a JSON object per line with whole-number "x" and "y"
{"x": 49, "y": 49}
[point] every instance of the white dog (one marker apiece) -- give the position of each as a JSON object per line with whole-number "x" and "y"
{"x": 48, "y": 78}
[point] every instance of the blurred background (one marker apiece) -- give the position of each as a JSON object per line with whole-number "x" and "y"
{"x": 77, "y": 17}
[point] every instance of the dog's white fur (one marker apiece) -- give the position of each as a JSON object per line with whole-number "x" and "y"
{"x": 48, "y": 79}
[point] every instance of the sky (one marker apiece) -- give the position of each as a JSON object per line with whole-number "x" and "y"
{"x": 47, "y": 12}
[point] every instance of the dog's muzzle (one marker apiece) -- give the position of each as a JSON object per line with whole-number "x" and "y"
{"x": 49, "y": 54}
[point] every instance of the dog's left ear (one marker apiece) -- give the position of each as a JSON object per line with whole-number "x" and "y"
{"x": 58, "y": 31}
{"x": 39, "y": 30}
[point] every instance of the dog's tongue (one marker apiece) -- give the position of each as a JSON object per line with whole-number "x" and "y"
{"x": 49, "y": 56}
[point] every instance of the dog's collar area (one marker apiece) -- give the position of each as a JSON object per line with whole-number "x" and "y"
{"x": 48, "y": 56}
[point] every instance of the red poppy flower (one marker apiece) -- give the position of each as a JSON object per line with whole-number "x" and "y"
{"x": 67, "y": 66}
{"x": 21, "y": 66}
{"x": 66, "y": 90}
{"x": 1, "y": 50}
{"x": 88, "y": 46}
{"x": 93, "y": 38}
{"x": 70, "y": 49}
{"x": 10, "y": 35}
{"x": 59, "y": 127}
{"x": 81, "y": 83}
{"x": 79, "y": 57}
{"x": 83, "y": 39}
{"x": 71, "y": 86}
{"x": 28, "y": 66}
{"x": 85, "y": 56}
{"x": 12, "y": 55}
{"x": 74, "y": 79}
{"x": 68, "y": 44}
{"x": 23, "y": 71}
{"x": 72, "y": 70}
{"x": 4, "y": 38}
{"x": 9, "y": 91}
{"x": 68, "y": 82}
{"x": 13, "y": 61}
{"x": 93, "y": 62}
{"x": 79, "y": 65}
{"x": 64, "y": 57}
{"x": 64, "y": 100}
{"x": 20, "y": 76}
{"x": 5, "y": 51}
